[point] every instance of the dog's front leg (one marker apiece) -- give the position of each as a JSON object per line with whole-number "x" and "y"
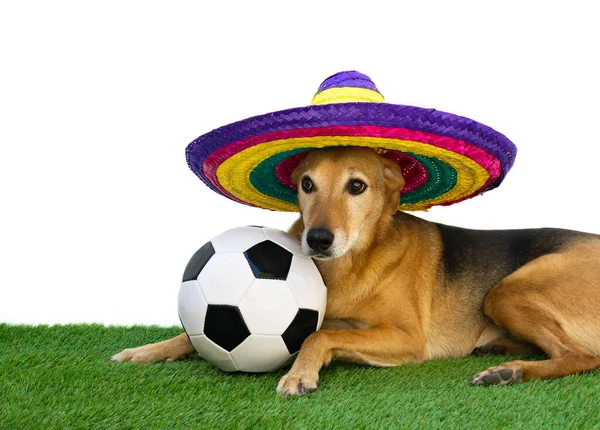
{"x": 378, "y": 346}
{"x": 167, "y": 350}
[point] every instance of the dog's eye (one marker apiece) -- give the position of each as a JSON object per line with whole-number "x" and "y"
{"x": 356, "y": 186}
{"x": 307, "y": 185}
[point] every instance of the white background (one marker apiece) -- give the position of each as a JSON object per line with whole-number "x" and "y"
{"x": 99, "y": 212}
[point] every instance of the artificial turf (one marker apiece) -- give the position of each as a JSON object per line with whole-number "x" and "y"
{"x": 59, "y": 377}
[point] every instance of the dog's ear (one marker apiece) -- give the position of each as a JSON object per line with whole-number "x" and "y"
{"x": 392, "y": 175}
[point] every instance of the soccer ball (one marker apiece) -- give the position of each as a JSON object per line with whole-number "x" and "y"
{"x": 249, "y": 298}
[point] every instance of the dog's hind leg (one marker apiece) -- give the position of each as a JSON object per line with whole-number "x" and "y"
{"x": 553, "y": 303}
{"x": 167, "y": 350}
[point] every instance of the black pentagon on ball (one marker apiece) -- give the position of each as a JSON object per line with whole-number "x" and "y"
{"x": 269, "y": 260}
{"x": 225, "y": 326}
{"x": 198, "y": 261}
{"x": 304, "y": 323}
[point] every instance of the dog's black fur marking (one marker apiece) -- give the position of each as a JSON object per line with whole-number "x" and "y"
{"x": 491, "y": 255}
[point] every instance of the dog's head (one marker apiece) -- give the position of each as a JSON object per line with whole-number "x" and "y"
{"x": 344, "y": 195}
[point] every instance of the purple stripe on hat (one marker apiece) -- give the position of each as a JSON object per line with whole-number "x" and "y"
{"x": 339, "y": 114}
{"x": 351, "y": 78}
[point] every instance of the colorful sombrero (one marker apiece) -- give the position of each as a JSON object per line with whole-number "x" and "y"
{"x": 445, "y": 158}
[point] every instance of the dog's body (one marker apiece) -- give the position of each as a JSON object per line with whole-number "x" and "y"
{"x": 404, "y": 289}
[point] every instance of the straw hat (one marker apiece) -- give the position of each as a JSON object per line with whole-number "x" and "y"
{"x": 444, "y": 158}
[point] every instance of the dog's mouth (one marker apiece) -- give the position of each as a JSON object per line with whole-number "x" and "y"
{"x": 319, "y": 255}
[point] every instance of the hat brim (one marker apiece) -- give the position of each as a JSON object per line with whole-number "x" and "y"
{"x": 445, "y": 158}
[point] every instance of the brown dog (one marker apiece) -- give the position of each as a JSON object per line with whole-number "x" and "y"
{"x": 402, "y": 289}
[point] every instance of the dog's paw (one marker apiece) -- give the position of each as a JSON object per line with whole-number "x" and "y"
{"x": 507, "y": 373}
{"x": 142, "y": 354}
{"x": 296, "y": 384}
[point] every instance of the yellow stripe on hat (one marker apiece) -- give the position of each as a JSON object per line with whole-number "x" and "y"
{"x": 234, "y": 173}
{"x": 346, "y": 95}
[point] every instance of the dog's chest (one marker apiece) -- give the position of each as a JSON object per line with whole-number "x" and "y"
{"x": 354, "y": 295}
{"x": 340, "y": 306}
{"x": 345, "y": 302}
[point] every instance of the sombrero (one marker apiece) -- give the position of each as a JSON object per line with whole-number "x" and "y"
{"x": 445, "y": 158}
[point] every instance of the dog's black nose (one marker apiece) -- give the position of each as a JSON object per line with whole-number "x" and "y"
{"x": 319, "y": 239}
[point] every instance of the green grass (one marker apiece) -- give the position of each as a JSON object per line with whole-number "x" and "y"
{"x": 59, "y": 377}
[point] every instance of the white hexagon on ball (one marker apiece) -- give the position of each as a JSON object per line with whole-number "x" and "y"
{"x": 238, "y": 239}
{"x": 213, "y": 353}
{"x": 268, "y": 307}
{"x": 192, "y": 307}
{"x": 307, "y": 284}
{"x": 260, "y": 353}
{"x": 225, "y": 278}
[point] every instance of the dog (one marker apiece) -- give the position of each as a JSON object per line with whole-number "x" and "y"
{"x": 402, "y": 289}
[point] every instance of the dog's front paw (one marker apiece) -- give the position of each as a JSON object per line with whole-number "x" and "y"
{"x": 143, "y": 354}
{"x": 297, "y": 384}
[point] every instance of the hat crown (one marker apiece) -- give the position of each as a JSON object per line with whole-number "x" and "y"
{"x": 350, "y": 78}
{"x": 347, "y": 87}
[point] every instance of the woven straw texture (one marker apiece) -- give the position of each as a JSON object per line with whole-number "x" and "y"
{"x": 445, "y": 158}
